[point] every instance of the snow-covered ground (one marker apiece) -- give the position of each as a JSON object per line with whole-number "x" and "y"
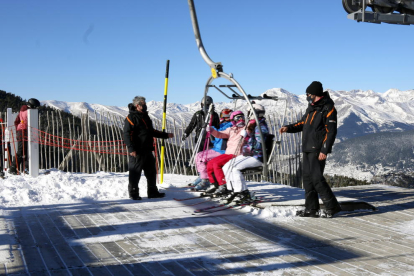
{"x": 59, "y": 187}
{"x": 95, "y": 214}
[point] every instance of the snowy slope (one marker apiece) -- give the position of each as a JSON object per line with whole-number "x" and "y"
{"x": 359, "y": 112}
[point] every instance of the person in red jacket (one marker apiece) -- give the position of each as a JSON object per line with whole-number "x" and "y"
{"x": 319, "y": 128}
{"x": 21, "y": 135}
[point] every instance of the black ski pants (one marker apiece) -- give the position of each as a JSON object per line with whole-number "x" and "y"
{"x": 143, "y": 161}
{"x": 22, "y": 149}
{"x": 314, "y": 183}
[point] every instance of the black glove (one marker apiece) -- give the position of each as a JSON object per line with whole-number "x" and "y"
{"x": 184, "y": 136}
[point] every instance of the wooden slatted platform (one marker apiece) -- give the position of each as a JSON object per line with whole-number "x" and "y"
{"x": 163, "y": 237}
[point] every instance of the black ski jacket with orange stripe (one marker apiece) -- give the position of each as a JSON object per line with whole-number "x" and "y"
{"x": 319, "y": 126}
{"x": 139, "y": 133}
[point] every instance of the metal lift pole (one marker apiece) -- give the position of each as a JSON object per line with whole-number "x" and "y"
{"x": 217, "y": 72}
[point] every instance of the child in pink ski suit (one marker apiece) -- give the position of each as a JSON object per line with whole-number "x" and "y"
{"x": 219, "y": 148}
{"x": 234, "y": 146}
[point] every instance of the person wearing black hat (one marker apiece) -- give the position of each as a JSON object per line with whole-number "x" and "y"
{"x": 197, "y": 123}
{"x": 319, "y": 127}
{"x": 139, "y": 135}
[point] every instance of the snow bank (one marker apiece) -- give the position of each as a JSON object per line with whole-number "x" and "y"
{"x": 61, "y": 187}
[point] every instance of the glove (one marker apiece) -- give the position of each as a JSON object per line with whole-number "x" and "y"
{"x": 208, "y": 128}
{"x": 243, "y": 133}
{"x": 184, "y": 136}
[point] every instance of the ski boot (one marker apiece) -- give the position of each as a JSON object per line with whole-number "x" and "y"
{"x": 13, "y": 170}
{"x": 228, "y": 198}
{"x": 195, "y": 182}
{"x": 203, "y": 185}
{"x": 308, "y": 213}
{"x": 156, "y": 195}
{"x": 213, "y": 187}
{"x": 2, "y": 174}
{"x": 242, "y": 197}
{"x": 221, "y": 191}
{"x": 330, "y": 213}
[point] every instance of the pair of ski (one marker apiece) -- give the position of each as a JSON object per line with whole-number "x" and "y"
{"x": 226, "y": 206}
{"x": 202, "y": 195}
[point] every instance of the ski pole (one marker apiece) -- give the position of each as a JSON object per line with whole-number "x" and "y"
{"x": 24, "y": 153}
{"x": 207, "y": 138}
{"x": 164, "y": 115}
{"x": 14, "y": 149}
{"x": 195, "y": 150}
{"x": 197, "y": 145}
{"x": 177, "y": 158}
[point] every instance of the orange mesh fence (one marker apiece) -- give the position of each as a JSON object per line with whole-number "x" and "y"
{"x": 47, "y": 139}
{"x": 108, "y": 147}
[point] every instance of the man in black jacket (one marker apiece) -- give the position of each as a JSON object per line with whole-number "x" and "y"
{"x": 198, "y": 120}
{"x": 319, "y": 127}
{"x": 139, "y": 138}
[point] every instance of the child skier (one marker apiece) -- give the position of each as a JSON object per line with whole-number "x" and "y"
{"x": 219, "y": 147}
{"x": 234, "y": 145}
{"x": 252, "y": 156}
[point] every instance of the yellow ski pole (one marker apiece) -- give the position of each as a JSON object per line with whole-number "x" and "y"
{"x": 164, "y": 114}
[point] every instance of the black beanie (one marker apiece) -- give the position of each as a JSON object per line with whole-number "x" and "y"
{"x": 315, "y": 88}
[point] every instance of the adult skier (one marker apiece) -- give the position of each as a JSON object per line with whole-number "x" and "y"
{"x": 252, "y": 156}
{"x": 139, "y": 138}
{"x": 198, "y": 120}
{"x": 197, "y": 123}
{"x": 219, "y": 147}
{"x": 21, "y": 135}
{"x": 235, "y": 143}
{"x": 319, "y": 127}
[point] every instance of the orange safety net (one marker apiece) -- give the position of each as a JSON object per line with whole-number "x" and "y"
{"x": 108, "y": 147}
{"x": 47, "y": 139}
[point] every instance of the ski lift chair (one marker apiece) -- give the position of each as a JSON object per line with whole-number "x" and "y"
{"x": 270, "y": 142}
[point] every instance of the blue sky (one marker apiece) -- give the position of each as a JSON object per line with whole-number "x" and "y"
{"x": 108, "y": 51}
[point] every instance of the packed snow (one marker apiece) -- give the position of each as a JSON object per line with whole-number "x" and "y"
{"x": 57, "y": 187}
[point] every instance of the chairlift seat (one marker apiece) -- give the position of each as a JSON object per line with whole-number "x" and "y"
{"x": 269, "y": 144}
{"x": 253, "y": 170}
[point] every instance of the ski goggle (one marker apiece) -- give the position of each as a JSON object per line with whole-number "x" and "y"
{"x": 225, "y": 113}
{"x": 238, "y": 117}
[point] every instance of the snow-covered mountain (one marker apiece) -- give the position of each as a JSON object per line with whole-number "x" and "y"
{"x": 359, "y": 112}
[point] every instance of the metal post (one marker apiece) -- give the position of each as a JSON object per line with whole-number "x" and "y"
{"x": 364, "y": 6}
{"x": 33, "y": 141}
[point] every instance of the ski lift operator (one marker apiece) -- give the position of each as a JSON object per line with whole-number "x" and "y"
{"x": 139, "y": 136}
{"x": 319, "y": 127}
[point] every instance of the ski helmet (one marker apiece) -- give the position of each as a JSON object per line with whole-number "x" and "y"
{"x": 237, "y": 118}
{"x": 258, "y": 109}
{"x": 225, "y": 114}
{"x": 209, "y": 101}
{"x": 33, "y": 103}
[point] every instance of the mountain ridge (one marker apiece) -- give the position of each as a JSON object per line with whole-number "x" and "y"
{"x": 359, "y": 112}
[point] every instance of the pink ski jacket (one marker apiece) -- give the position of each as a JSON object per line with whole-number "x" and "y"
{"x": 21, "y": 119}
{"x": 234, "y": 138}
